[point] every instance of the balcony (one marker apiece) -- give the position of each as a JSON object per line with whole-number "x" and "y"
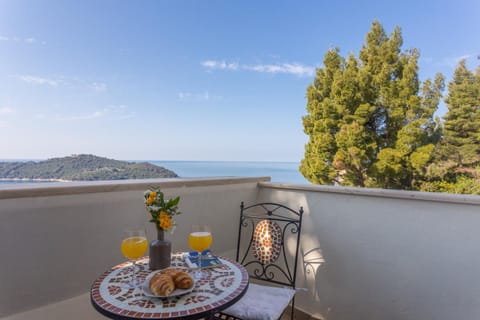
{"x": 366, "y": 253}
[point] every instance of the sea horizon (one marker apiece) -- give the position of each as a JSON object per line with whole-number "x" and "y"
{"x": 279, "y": 171}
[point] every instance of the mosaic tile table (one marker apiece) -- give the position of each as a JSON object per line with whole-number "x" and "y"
{"x": 222, "y": 287}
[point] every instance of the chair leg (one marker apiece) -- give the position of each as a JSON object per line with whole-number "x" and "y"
{"x": 293, "y": 308}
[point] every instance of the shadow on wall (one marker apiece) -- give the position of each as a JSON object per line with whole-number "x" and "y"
{"x": 312, "y": 261}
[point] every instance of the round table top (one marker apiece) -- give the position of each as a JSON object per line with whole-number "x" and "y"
{"x": 221, "y": 287}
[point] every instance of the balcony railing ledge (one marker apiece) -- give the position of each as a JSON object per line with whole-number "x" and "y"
{"x": 82, "y": 187}
{"x": 373, "y": 192}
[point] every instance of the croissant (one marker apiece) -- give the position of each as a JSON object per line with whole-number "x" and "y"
{"x": 182, "y": 280}
{"x": 162, "y": 284}
{"x": 171, "y": 272}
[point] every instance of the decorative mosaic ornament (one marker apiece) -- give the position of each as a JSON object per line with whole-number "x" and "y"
{"x": 267, "y": 241}
{"x": 221, "y": 286}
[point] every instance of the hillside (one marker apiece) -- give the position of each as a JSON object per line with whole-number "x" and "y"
{"x": 82, "y": 167}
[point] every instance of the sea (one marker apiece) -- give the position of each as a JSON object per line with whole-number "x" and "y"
{"x": 286, "y": 172}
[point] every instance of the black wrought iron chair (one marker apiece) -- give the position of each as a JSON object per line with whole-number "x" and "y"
{"x": 268, "y": 246}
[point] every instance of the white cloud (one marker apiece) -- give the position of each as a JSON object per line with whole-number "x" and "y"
{"x": 113, "y": 112}
{"x": 99, "y": 87}
{"x": 38, "y": 80}
{"x": 28, "y": 40}
{"x": 184, "y": 95}
{"x": 64, "y": 81}
{"x": 288, "y": 68}
{"x": 93, "y": 115}
{"x": 189, "y": 96}
{"x": 222, "y": 65}
{"x": 97, "y": 114}
{"x": 6, "y": 110}
{"x": 452, "y": 62}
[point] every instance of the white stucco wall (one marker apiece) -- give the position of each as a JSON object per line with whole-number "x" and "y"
{"x": 378, "y": 254}
{"x": 366, "y": 254}
{"x": 56, "y": 239}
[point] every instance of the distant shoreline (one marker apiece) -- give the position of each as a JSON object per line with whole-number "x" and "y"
{"x": 38, "y": 179}
{"x": 279, "y": 171}
{"x": 81, "y": 167}
{"x": 169, "y": 161}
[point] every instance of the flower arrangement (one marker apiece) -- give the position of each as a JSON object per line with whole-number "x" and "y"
{"x": 162, "y": 211}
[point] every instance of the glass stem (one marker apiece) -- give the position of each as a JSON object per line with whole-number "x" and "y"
{"x": 200, "y": 262}
{"x": 133, "y": 272}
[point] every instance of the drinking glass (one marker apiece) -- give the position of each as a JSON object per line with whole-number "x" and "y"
{"x": 134, "y": 245}
{"x": 200, "y": 239}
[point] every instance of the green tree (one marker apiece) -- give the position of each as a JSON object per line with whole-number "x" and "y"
{"x": 461, "y": 139}
{"x": 457, "y": 157}
{"x": 369, "y": 121}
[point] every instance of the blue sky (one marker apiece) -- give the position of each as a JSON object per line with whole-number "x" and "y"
{"x": 192, "y": 80}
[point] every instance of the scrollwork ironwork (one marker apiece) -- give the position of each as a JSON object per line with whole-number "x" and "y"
{"x": 289, "y": 226}
{"x": 284, "y": 270}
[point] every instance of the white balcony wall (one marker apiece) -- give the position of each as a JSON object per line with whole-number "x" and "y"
{"x": 366, "y": 254}
{"x": 57, "y": 238}
{"x": 380, "y": 254}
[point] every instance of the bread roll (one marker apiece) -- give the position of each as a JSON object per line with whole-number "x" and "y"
{"x": 183, "y": 280}
{"x": 162, "y": 285}
{"x": 171, "y": 272}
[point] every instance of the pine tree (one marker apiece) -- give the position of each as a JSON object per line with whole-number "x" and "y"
{"x": 462, "y": 121}
{"x": 368, "y": 125}
{"x": 457, "y": 158}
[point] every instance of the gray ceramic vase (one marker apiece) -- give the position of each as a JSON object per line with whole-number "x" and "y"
{"x": 160, "y": 252}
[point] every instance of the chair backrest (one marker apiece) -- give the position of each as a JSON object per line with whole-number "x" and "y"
{"x": 268, "y": 242}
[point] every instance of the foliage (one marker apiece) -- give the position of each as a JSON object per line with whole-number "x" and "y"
{"x": 463, "y": 185}
{"x": 161, "y": 210}
{"x": 82, "y": 167}
{"x": 369, "y": 120}
{"x": 457, "y": 156}
{"x": 461, "y": 139}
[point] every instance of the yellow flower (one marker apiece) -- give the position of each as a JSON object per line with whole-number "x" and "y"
{"x": 164, "y": 220}
{"x": 161, "y": 210}
{"x": 151, "y": 198}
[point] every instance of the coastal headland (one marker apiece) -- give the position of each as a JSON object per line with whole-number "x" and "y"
{"x": 81, "y": 167}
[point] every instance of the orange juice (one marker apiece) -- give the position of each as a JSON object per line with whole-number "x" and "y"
{"x": 200, "y": 240}
{"x": 134, "y": 247}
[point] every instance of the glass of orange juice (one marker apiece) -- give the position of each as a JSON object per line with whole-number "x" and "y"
{"x": 200, "y": 239}
{"x": 134, "y": 245}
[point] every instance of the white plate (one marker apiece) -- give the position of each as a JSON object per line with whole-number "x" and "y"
{"x": 177, "y": 292}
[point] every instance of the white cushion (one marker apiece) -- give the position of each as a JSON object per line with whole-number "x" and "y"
{"x": 262, "y": 303}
